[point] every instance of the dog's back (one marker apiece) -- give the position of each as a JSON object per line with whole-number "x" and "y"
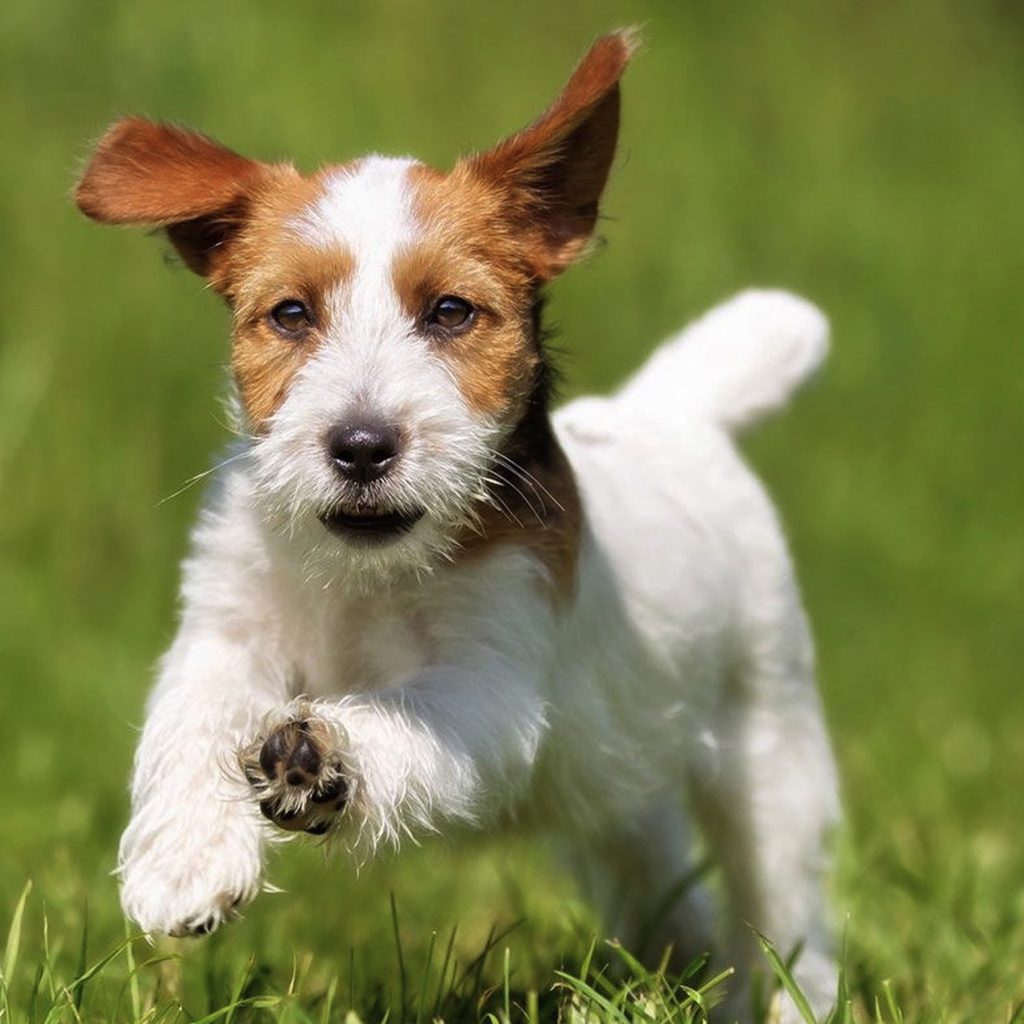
{"x": 684, "y": 531}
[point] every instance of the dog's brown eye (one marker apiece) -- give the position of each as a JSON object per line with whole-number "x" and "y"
{"x": 291, "y": 316}
{"x": 451, "y": 313}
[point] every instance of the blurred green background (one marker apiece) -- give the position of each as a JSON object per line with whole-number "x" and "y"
{"x": 869, "y": 155}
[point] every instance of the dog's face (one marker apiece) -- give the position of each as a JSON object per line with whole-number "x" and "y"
{"x": 385, "y": 343}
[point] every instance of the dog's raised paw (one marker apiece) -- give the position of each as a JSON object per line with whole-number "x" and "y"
{"x": 297, "y": 776}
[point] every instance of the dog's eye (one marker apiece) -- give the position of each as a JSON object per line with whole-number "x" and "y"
{"x": 291, "y": 316}
{"x": 451, "y": 313}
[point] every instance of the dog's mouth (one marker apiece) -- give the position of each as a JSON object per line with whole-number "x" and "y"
{"x": 370, "y": 526}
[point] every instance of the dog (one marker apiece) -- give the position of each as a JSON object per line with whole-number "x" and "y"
{"x": 418, "y": 599}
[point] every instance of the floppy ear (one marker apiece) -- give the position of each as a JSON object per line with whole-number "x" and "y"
{"x": 555, "y": 170}
{"x": 143, "y": 172}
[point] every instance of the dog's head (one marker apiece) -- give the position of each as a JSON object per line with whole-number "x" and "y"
{"x": 386, "y": 347}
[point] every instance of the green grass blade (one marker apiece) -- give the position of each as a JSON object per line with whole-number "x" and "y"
{"x": 134, "y": 993}
{"x": 401, "y": 959}
{"x": 507, "y": 985}
{"x": 236, "y": 995}
{"x": 476, "y": 966}
{"x": 592, "y": 997}
{"x": 785, "y": 975}
{"x": 532, "y": 1007}
{"x": 421, "y": 999}
{"x": 78, "y": 991}
{"x": 448, "y": 961}
{"x": 328, "y": 1007}
{"x": 48, "y": 956}
{"x": 86, "y": 976}
{"x": 895, "y": 1013}
{"x": 33, "y": 995}
{"x": 843, "y": 1012}
{"x": 14, "y": 936}
{"x": 255, "y": 1002}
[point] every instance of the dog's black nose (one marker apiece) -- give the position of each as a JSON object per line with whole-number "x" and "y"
{"x": 363, "y": 451}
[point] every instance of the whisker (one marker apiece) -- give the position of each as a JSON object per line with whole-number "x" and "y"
{"x": 192, "y": 481}
{"x": 529, "y": 504}
{"x": 501, "y": 505}
{"x": 233, "y": 429}
{"x": 526, "y": 476}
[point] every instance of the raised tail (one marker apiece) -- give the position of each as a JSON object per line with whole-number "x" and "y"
{"x": 736, "y": 364}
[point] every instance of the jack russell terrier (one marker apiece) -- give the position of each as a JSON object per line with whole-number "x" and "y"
{"x": 419, "y": 599}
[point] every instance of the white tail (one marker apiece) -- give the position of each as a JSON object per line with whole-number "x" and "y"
{"x": 736, "y": 364}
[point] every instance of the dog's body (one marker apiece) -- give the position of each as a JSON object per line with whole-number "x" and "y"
{"x": 459, "y": 610}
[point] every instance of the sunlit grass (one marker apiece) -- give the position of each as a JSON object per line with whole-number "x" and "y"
{"x": 135, "y": 984}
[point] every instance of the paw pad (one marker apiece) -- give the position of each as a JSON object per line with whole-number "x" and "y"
{"x": 298, "y": 780}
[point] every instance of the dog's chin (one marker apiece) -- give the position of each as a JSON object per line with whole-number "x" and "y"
{"x": 370, "y": 527}
{"x": 365, "y": 552}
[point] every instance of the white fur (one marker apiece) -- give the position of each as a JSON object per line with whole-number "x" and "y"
{"x": 736, "y": 364}
{"x": 682, "y": 663}
{"x": 366, "y": 208}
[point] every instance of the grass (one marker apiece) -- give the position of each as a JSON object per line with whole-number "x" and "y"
{"x": 867, "y": 155}
{"x": 607, "y": 985}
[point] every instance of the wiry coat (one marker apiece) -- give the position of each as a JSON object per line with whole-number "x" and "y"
{"x": 566, "y": 620}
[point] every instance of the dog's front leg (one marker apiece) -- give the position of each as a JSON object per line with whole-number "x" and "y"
{"x": 457, "y": 743}
{"x": 448, "y": 747}
{"x": 192, "y": 852}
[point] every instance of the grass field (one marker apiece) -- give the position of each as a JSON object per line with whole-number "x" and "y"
{"x": 869, "y": 155}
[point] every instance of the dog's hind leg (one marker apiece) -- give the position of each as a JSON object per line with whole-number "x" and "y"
{"x": 764, "y": 789}
{"x": 640, "y": 875}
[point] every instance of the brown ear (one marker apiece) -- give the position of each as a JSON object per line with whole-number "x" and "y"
{"x": 143, "y": 172}
{"x": 555, "y": 170}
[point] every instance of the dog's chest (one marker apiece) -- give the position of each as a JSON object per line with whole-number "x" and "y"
{"x": 366, "y": 645}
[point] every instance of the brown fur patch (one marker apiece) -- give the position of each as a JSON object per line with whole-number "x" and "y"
{"x": 145, "y": 172}
{"x": 467, "y": 248}
{"x": 539, "y": 507}
{"x": 269, "y": 261}
{"x": 228, "y": 217}
{"x": 554, "y": 171}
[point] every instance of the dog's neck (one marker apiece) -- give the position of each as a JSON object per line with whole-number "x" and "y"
{"x": 532, "y": 498}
